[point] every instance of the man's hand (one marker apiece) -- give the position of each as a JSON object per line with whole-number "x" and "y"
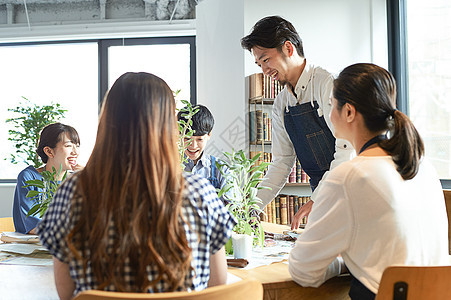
{"x": 304, "y": 211}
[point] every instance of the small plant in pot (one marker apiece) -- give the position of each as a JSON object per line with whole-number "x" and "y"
{"x": 240, "y": 191}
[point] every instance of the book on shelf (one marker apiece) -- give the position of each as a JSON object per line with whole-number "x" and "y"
{"x": 277, "y": 205}
{"x": 297, "y": 174}
{"x": 291, "y": 211}
{"x": 252, "y": 126}
{"x": 259, "y": 125}
{"x": 283, "y": 210}
{"x": 263, "y": 86}
{"x": 273, "y": 211}
{"x": 255, "y": 85}
{"x": 284, "y": 207}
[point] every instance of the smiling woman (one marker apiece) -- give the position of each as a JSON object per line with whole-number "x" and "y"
{"x": 57, "y": 148}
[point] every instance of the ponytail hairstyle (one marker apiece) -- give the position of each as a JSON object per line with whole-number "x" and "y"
{"x": 131, "y": 192}
{"x": 372, "y": 91}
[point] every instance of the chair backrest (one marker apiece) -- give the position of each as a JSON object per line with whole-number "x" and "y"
{"x": 6, "y": 224}
{"x": 447, "y": 194}
{"x": 247, "y": 289}
{"x": 415, "y": 282}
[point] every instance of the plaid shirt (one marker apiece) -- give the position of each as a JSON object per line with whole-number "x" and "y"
{"x": 209, "y": 228}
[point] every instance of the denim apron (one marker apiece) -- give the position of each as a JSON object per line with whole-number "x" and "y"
{"x": 312, "y": 139}
{"x": 213, "y": 180}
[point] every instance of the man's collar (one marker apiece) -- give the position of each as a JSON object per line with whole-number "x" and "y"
{"x": 304, "y": 79}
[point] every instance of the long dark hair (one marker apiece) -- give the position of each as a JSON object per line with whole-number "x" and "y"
{"x": 53, "y": 134}
{"x": 273, "y": 32}
{"x": 372, "y": 91}
{"x": 132, "y": 185}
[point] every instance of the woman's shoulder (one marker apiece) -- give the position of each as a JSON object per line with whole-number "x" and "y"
{"x": 29, "y": 173}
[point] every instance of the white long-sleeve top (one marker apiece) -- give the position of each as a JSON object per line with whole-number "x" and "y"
{"x": 316, "y": 84}
{"x": 367, "y": 213}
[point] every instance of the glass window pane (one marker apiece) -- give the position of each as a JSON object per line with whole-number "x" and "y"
{"x": 170, "y": 62}
{"x": 429, "y": 57}
{"x": 65, "y": 73}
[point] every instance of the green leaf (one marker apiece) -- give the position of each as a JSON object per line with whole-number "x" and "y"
{"x": 34, "y": 210}
{"x": 33, "y": 193}
{"x": 35, "y": 182}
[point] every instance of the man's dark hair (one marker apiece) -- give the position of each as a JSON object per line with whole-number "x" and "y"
{"x": 272, "y": 32}
{"x": 203, "y": 121}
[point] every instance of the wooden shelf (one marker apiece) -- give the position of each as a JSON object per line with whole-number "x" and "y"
{"x": 297, "y": 184}
{"x": 260, "y": 143}
{"x": 260, "y": 100}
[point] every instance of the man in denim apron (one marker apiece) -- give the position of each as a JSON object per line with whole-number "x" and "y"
{"x": 300, "y": 117}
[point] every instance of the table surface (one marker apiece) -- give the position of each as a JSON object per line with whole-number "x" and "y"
{"x": 37, "y": 282}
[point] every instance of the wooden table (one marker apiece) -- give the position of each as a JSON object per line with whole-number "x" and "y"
{"x": 277, "y": 284}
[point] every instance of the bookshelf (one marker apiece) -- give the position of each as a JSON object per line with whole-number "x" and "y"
{"x": 262, "y": 92}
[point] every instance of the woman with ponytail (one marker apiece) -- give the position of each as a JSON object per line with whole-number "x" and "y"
{"x": 130, "y": 221}
{"x": 371, "y": 210}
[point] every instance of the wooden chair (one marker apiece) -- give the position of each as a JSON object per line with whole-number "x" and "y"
{"x": 414, "y": 282}
{"x": 447, "y": 194}
{"x": 6, "y": 224}
{"x": 247, "y": 289}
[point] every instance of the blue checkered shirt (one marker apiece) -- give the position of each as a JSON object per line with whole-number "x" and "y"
{"x": 209, "y": 228}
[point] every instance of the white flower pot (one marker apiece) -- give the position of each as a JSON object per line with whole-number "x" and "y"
{"x": 242, "y": 245}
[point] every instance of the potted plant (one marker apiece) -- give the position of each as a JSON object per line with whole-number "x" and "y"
{"x": 27, "y": 127}
{"x": 243, "y": 176}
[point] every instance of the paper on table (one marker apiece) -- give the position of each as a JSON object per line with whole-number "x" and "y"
{"x": 232, "y": 278}
{"x": 17, "y": 237}
{"x": 34, "y": 259}
{"x": 269, "y": 255}
{"x": 21, "y": 248}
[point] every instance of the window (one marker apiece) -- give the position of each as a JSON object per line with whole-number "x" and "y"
{"x": 429, "y": 77}
{"x": 60, "y": 73}
{"x": 77, "y": 74}
{"x": 167, "y": 58}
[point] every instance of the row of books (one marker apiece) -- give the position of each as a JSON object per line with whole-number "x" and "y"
{"x": 260, "y": 125}
{"x": 264, "y": 157}
{"x": 263, "y": 86}
{"x": 298, "y": 174}
{"x": 283, "y": 208}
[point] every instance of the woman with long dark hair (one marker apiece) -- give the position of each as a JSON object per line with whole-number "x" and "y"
{"x": 382, "y": 208}
{"x": 131, "y": 221}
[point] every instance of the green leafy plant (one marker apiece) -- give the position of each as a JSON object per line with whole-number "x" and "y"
{"x": 185, "y": 130}
{"x": 27, "y": 126}
{"x": 48, "y": 186}
{"x": 240, "y": 191}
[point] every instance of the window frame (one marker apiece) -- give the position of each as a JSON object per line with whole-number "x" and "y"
{"x": 102, "y": 68}
{"x": 398, "y": 56}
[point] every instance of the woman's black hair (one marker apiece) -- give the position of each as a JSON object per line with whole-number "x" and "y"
{"x": 273, "y": 32}
{"x": 52, "y": 134}
{"x": 372, "y": 91}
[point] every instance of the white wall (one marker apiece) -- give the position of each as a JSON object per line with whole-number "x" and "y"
{"x": 6, "y": 199}
{"x": 220, "y": 71}
{"x": 335, "y": 34}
